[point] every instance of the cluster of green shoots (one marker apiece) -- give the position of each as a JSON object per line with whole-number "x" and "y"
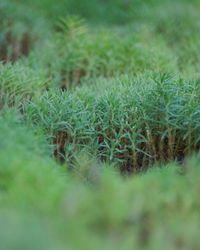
{"x": 76, "y": 53}
{"x": 19, "y": 83}
{"x": 133, "y": 122}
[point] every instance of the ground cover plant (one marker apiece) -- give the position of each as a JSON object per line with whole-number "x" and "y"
{"x": 134, "y": 122}
{"x": 19, "y": 83}
{"x": 80, "y": 54}
{"x": 33, "y": 191}
{"x": 99, "y": 124}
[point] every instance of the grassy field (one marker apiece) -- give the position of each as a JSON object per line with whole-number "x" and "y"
{"x": 99, "y": 124}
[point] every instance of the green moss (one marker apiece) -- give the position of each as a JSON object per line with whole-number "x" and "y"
{"x": 84, "y": 83}
{"x": 134, "y": 122}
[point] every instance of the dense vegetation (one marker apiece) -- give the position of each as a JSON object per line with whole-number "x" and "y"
{"x": 99, "y": 124}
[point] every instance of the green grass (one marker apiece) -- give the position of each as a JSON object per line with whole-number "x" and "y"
{"x": 99, "y": 124}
